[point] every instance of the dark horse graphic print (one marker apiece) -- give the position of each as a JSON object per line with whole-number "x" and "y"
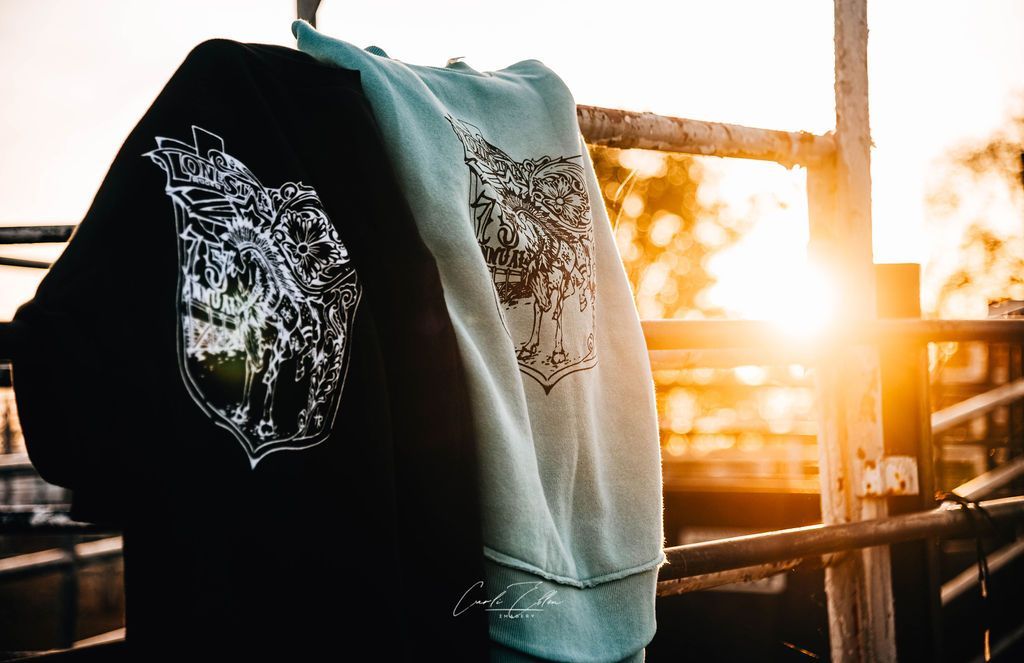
{"x": 533, "y": 223}
{"x": 266, "y": 298}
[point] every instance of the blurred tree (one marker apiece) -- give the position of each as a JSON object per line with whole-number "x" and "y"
{"x": 665, "y": 234}
{"x": 976, "y": 183}
{"x": 651, "y": 199}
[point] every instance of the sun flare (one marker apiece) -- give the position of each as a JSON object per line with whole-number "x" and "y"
{"x": 767, "y": 276}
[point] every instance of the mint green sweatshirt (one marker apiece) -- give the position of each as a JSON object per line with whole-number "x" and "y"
{"x": 504, "y": 194}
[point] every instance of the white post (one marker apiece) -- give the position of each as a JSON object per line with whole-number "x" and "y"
{"x": 849, "y": 388}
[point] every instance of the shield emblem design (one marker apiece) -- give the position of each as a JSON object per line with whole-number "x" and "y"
{"x": 266, "y": 298}
{"x": 534, "y": 226}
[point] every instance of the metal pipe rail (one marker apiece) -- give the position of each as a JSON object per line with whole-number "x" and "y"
{"x": 964, "y": 411}
{"x": 45, "y": 519}
{"x": 747, "y": 573}
{"x": 982, "y": 485}
{"x": 985, "y": 484}
{"x": 45, "y": 561}
{"x": 720, "y": 334}
{"x": 746, "y": 557}
{"x": 800, "y": 542}
{"x": 617, "y": 128}
{"x": 35, "y": 234}
{"x": 613, "y": 127}
{"x": 22, "y": 262}
{"x": 967, "y": 579}
{"x": 16, "y": 464}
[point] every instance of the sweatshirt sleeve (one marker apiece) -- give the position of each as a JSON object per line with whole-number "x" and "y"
{"x": 62, "y": 371}
{"x": 80, "y": 346}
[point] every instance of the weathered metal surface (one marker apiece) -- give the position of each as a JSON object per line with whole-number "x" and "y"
{"x": 117, "y": 635}
{"x": 43, "y": 519}
{"x": 906, "y": 421}
{"x": 859, "y": 590}
{"x": 964, "y": 411}
{"x": 719, "y": 555}
{"x": 614, "y": 127}
{"x": 890, "y": 475}
{"x": 16, "y": 464}
{"x": 306, "y": 9}
{"x": 21, "y": 262}
{"x": 745, "y": 574}
{"x": 46, "y": 561}
{"x": 35, "y": 234}
{"x": 985, "y": 484}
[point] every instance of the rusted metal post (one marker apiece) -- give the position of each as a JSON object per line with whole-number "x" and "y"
{"x": 906, "y": 420}
{"x": 850, "y": 441}
{"x": 622, "y": 129}
{"x": 306, "y": 9}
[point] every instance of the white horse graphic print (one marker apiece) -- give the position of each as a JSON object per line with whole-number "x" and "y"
{"x": 266, "y": 298}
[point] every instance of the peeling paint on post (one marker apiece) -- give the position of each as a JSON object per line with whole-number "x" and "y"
{"x": 612, "y": 127}
{"x": 848, "y": 382}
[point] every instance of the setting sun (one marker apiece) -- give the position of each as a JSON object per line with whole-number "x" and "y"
{"x": 754, "y": 283}
{"x": 766, "y": 274}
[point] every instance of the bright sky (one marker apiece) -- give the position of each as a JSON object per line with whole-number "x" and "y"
{"x": 76, "y": 76}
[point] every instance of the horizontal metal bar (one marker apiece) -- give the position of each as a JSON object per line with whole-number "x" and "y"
{"x": 943, "y": 420}
{"x": 15, "y": 464}
{"x": 117, "y": 635}
{"x": 746, "y": 574}
{"x": 35, "y": 234}
{"x": 45, "y": 519}
{"x": 114, "y": 649}
{"x": 706, "y": 334}
{"x": 676, "y": 481}
{"x": 760, "y": 427}
{"x": 614, "y": 127}
{"x": 21, "y": 262}
{"x": 753, "y": 549}
{"x": 968, "y": 578}
{"x": 45, "y": 561}
{"x": 670, "y": 360}
{"x": 985, "y": 484}
{"x": 709, "y": 563}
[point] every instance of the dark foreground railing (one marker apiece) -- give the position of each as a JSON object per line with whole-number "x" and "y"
{"x": 815, "y": 540}
{"x": 776, "y": 551}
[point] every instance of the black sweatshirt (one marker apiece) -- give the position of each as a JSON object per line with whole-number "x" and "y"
{"x": 243, "y": 359}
